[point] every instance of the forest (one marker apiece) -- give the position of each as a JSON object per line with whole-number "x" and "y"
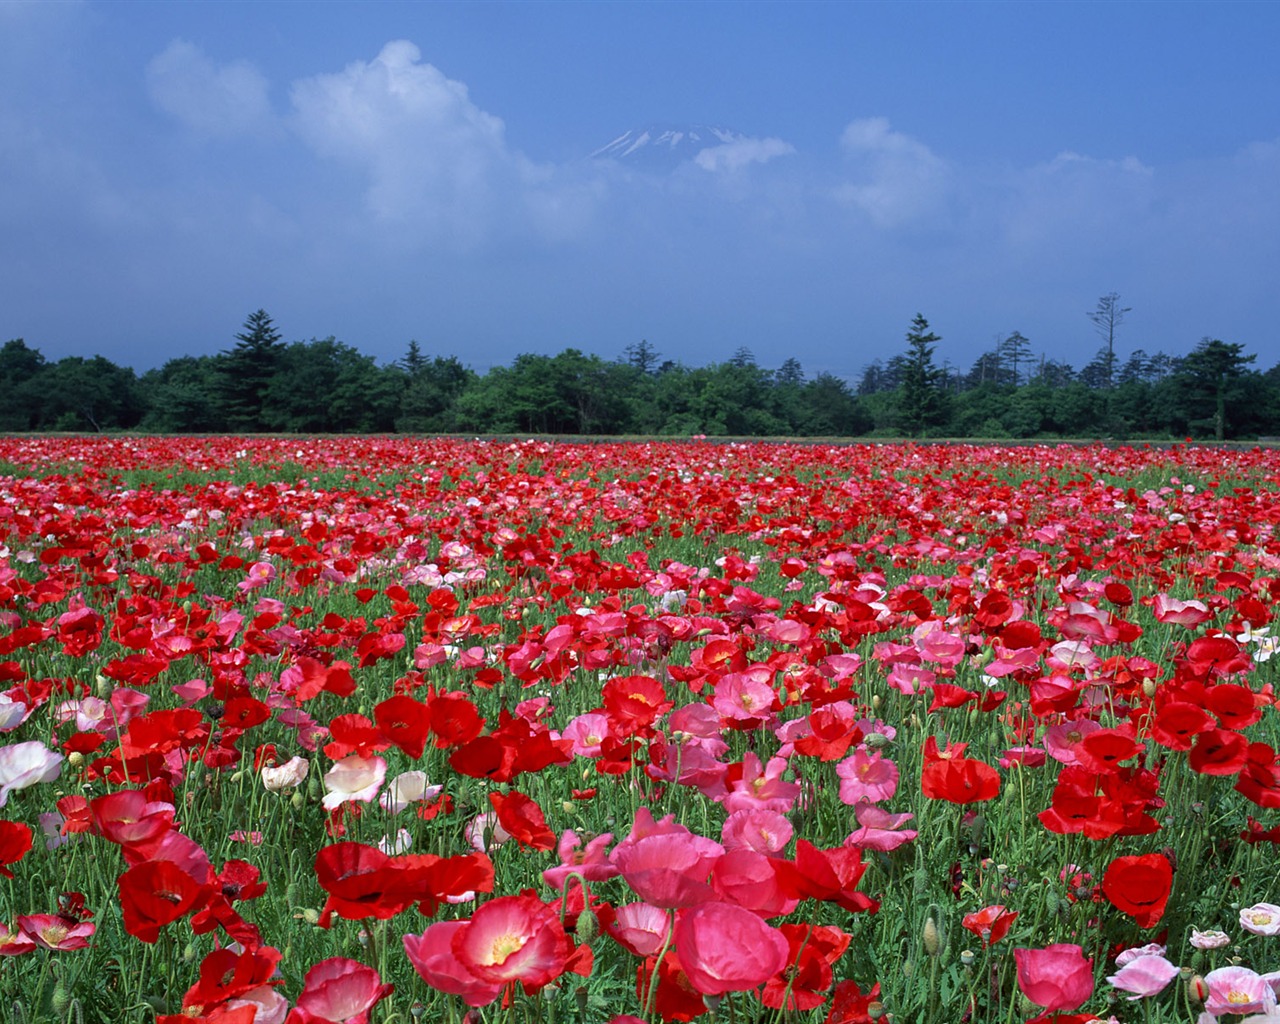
{"x": 262, "y": 384}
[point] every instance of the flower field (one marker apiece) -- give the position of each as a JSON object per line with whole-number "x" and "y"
{"x": 347, "y": 730}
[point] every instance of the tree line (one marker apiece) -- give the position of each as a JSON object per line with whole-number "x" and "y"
{"x": 263, "y": 384}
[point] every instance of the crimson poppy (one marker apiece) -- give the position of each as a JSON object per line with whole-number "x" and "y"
{"x": 1139, "y": 886}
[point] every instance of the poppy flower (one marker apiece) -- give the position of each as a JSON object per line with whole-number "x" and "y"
{"x": 432, "y": 956}
{"x": 990, "y": 924}
{"x": 1139, "y": 886}
{"x": 959, "y": 780}
{"x": 591, "y": 862}
{"x": 812, "y": 950}
{"x": 353, "y": 778}
{"x": 664, "y": 862}
{"x": 25, "y": 764}
{"x": 154, "y": 893}
{"x": 523, "y": 820}
{"x": 725, "y": 948}
{"x": 405, "y": 722}
{"x": 15, "y": 943}
{"x": 15, "y": 843}
{"x": 52, "y": 931}
{"x": 339, "y": 991}
{"x": 1057, "y": 977}
{"x": 1144, "y": 976}
{"x": 514, "y": 938}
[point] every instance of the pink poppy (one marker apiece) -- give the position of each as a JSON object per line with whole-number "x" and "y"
{"x": 724, "y": 948}
{"x": 867, "y": 776}
{"x": 750, "y": 880}
{"x": 1144, "y": 976}
{"x": 755, "y": 787}
{"x": 591, "y": 861}
{"x": 15, "y": 943}
{"x": 1238, "y": 990}
{"x": 432, "y": 956}
{"x": 54, "y": 932}
{"x": 665, "y": 863}
{"x": 879, "y": 830}
{"x": 353, "y": 778}
{"x": 640, "y": 928}
{"x": 1057, "y": 977}
{"x": 339, "y": 991}
{"x": 761, "y": 829}
{"x": 514, "y": 938}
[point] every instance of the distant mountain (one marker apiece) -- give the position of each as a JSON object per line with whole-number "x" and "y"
{"x": 663, "y": 147}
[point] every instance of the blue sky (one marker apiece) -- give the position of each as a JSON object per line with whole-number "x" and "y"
{"x": 386, "y": 171}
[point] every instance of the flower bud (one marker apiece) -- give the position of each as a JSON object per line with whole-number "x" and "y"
{"x": 1149, "y": 687}
{"x": 587, "y": 928}
{"x": 1197, "y": 989}
{"x": 930, "y": 937}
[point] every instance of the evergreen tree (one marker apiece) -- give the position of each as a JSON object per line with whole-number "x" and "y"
{"x": 1016, "y": 351}
{"x": 247, "y": 371}
{"x": 921, "y": 397}
{"x": 643, "y": 356}
{"x": 1212, "y": 377}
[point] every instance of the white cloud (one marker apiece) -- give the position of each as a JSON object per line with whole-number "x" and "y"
{"x": 217, "y": 100}
{"x": 1074, "y": 196}
{"x": 740, "y": 152}
{"x": 896, "y": 179}
{"x": 437, "y": 164}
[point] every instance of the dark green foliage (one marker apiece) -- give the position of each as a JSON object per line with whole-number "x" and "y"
{"x": 922, "y": 400}
{"x": 247, "y": 370}
{"x": 1215, "y": 385}
{"x": 327, "y": 386}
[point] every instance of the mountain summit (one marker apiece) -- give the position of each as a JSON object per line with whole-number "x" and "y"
{"x": 663, "y": 147}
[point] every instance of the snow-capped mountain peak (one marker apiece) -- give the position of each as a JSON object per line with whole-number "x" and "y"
{"x": 664, "y": 146}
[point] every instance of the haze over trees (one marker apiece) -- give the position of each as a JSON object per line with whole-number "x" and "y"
{"x": 264, "y": 384}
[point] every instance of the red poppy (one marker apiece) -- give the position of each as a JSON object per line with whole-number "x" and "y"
{"x": 454, "y": 720}
{"x": 361, "y": 881}
{"x": 634, "y": 703}
{"x": 959, "y": 780}
{"x": 990, "y": 924}
{"x": 154, "y": 893}
{"x": 812, "y": 950}
{"x": 523, "y": 820}
{"x": 226, "y": 974}
{"x": 405, "y": 722}
{"x": 1219, "y": 752}
{"x": 15, "y": 843}
{"x": 1234, "y": 705}
{"x": 850, "y": 1005}
{"x": 1139, "y": 886}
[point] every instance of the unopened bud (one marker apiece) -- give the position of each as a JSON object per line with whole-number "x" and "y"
{"x": 311, "y": 915}
{"x": 587, "y": 928}
{"x": 1149, "y": 687}
{"x": 877, "y": 741}
{"x": 930, "y": 937}
{"x": 1197, "y": 989}
{"x": 61, "y": 999}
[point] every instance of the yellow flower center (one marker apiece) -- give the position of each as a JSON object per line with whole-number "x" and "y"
{"x": 503, "y": 946}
